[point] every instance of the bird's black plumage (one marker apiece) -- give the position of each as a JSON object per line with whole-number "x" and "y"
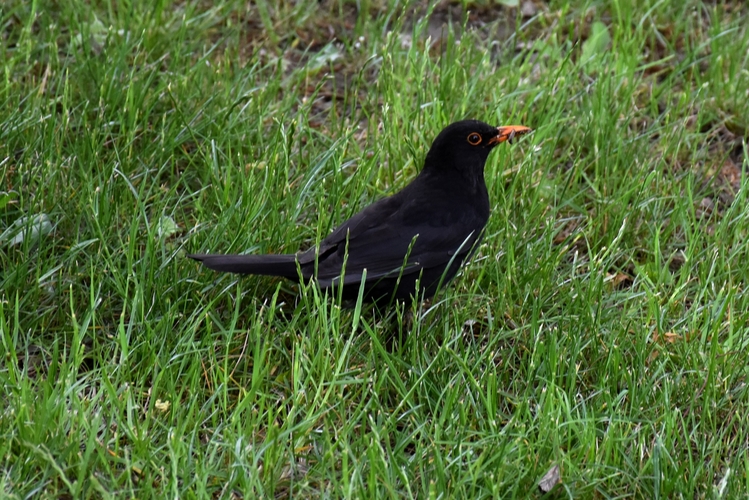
{"x": 422, "y": 234}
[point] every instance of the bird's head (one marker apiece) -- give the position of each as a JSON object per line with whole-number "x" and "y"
{"x": 465, "y": 145}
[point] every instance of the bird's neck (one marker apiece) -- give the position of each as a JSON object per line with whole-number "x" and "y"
{"x": 452, "y": 191}
{"x": 466, "y": 181}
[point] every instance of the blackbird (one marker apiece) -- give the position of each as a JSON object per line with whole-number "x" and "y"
{"x": 414, "y": 240}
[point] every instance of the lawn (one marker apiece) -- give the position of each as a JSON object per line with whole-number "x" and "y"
{"x": 600, "y": 333}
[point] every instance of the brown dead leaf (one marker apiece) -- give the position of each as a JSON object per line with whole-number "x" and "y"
{"x": 730, "y": 174}
{"x": 705, "y": 208}
{"x": 668, "y": 337}
{"x": 621, "y": 280}
{"x": 550, "y": 479}
{"x": 569, "y": 227}
{"x": 652, "y": 356}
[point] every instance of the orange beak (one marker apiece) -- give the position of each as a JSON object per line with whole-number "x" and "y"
{"x": 508, "y": 133}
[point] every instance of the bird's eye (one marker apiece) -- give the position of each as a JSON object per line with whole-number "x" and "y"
{"x": 474, "y": 139}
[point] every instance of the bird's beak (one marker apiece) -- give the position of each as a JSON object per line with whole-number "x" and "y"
{"x": 508, "y": 133}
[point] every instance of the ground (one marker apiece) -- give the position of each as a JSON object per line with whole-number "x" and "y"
{"x": 595, "y": 346}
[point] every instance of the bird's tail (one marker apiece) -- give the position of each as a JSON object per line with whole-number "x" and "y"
{"x": 268, "y": 265}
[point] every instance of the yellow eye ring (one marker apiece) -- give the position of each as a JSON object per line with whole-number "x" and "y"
{"x": 474, "y": 139}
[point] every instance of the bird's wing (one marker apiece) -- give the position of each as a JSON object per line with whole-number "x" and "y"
{"x": 395, "y": 235}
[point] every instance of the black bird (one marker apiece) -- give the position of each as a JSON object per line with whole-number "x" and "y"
{"x": 420, "y": 235}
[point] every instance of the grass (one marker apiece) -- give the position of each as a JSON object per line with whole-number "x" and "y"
{"x": 601, "y": 327}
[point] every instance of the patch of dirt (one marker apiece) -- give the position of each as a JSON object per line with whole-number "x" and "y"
{"x": 327, "y": 43}
{"x": 722, "y": 177}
